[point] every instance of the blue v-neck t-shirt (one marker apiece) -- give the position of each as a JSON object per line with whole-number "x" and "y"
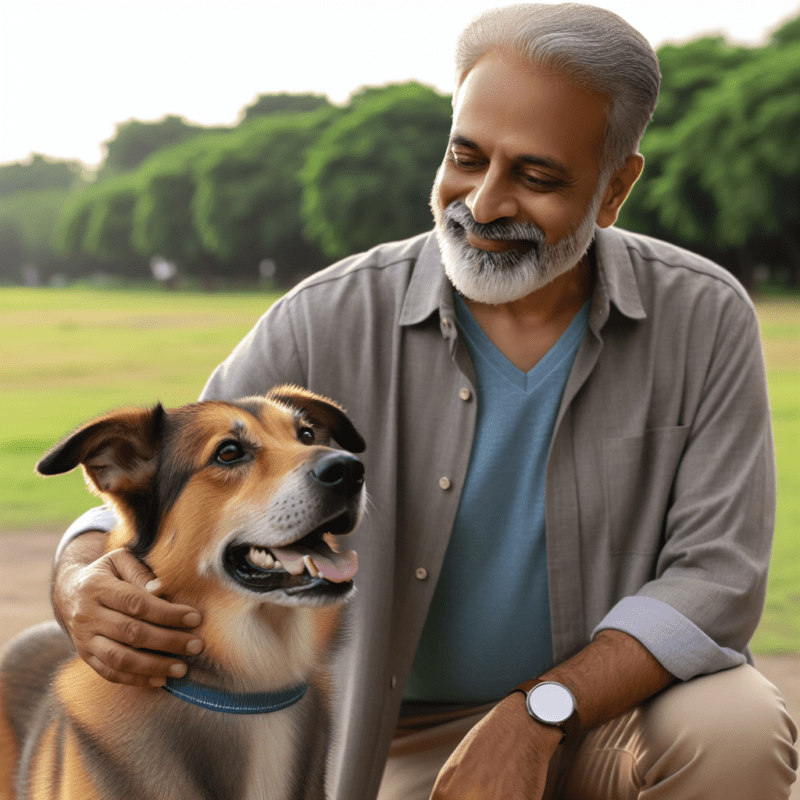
{"x": 488, "y": 627}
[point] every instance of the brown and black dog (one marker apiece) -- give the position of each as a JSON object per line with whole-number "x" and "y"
{"x": 235, "y": 507}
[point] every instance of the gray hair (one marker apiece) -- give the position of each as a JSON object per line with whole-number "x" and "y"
{"x": 592, "y": 47}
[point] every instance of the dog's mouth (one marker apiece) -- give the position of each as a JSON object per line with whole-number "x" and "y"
{"x": 313, "y": 563}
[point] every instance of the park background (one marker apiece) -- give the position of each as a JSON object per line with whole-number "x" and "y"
{"x": 127, "y": 280}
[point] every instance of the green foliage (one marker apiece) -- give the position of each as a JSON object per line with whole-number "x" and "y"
{"x": 28, "y": 220}
{"x": 788, "y": 33}
{"x": 369, "y": 176}
{"x": 135, "y": 140}
{"x": 722, "y": 173}
{"x": 247, "y": 205}
{"x": 38, "y": 173}
{"x": 98, "y": 224}
{"x": 163, "y": 219}
{"x": 268, "y": 104}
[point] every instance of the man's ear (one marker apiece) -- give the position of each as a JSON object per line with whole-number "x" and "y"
{"x": 117, "y": 450}
{"x": 619, "y": 188}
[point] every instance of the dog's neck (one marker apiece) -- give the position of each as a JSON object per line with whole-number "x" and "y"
{"x": 231, "y": 703}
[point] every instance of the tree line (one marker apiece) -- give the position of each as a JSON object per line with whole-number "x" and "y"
{"x": 300, "y": 182}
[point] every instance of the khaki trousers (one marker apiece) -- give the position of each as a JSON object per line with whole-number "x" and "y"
{"x": 725, "y": 736}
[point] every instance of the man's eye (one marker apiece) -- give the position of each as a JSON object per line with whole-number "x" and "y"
{"x": 306, "y": 435}
{"x": 228, "y": 452}
{"x": 461, "y": 160}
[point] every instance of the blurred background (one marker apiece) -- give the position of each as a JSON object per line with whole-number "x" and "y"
{"x": 168, "y": 168}
{"x": 234, "y": 143}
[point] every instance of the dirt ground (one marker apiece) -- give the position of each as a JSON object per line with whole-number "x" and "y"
{"x": 26, "y": 556}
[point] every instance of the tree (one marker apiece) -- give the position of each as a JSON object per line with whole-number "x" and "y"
{"x": 134, "y": 141}
{"x": 247, "y": 206}
{"x": 283, "y": 103}
{"x": 98, "y": 225}
{"x": 39, "y": 172}
{"x": 723, "y": 154}
{"x": 164, "y": 219}
{"x": 738, "y": 148}
{"x": 12, "y": 249}
{"x": 369, "y": 176}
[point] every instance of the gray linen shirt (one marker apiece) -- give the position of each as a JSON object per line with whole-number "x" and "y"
{"x": 660, "y": 485}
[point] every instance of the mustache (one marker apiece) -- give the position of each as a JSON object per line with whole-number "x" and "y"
{"x": 457, "y": 215}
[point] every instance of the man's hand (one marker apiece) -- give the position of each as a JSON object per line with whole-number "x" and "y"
{"x": 504, "y": 757}
{"x": 112, "y": 619}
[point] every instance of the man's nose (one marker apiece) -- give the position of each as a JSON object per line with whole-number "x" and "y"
{"x": 492, "y": 198}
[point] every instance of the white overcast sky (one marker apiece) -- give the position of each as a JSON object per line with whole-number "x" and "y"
{"x": 71, "y": 69}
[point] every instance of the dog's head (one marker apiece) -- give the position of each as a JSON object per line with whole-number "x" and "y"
{"x": 248, "y": 494}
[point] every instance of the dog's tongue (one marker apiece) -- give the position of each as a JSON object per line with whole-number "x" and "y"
{"x": 335, "y": 567}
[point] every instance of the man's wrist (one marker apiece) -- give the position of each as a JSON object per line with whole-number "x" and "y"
{"x": 552, "y": 706}
{"x": 546, "y": 737}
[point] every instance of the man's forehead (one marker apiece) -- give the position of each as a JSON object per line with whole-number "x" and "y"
{"x": 534, "y": 115}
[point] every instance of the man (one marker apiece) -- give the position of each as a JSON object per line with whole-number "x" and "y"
{"x": 569, "y": 456}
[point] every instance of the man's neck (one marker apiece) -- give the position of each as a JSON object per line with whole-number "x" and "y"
{"x": 524, "y": 330}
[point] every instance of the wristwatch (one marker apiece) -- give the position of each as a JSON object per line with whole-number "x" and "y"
{"x": 551, "y": 703}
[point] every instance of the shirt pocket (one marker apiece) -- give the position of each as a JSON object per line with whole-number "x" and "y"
{"x": 639, "y": 476}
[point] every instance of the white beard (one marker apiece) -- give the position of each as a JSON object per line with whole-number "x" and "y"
{"x": 501, "y": 277}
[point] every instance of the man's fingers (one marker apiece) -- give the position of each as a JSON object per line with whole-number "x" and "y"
{"x": 138, "y": 603}
{"x": 128, "y": 568}
{"x": 121, "y": 664}
{"x": 144, "y": 636}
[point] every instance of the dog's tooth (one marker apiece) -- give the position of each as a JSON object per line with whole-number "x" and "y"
{"x": 310, "y": 566}
{"x": 278, "y": 564}
{"x": 269, "y": 561}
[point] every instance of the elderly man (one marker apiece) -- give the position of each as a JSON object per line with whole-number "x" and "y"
{"x": 569, "y": 455}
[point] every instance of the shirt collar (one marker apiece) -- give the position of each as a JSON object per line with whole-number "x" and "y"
{"x": 427, "y": 285}
{"x": 615, "y": 281}
{"x": 429, "y": 290}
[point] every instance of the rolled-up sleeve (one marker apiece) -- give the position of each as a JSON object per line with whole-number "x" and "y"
{"x": 700, "y": 608}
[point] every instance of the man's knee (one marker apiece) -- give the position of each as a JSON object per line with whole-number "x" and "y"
{"x": 726, "y": 727}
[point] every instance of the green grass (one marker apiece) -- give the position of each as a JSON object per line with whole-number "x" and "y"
{"x": 68, "y": 354}
{"x": 779, "y": 630}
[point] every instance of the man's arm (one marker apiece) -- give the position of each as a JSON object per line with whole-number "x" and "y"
{"x": 102, "y": 603}
{"x": 507, "y": 754}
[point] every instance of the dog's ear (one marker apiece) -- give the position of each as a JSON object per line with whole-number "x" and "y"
{"x": 323, "y": 411}
{"x": 117, "y": 450}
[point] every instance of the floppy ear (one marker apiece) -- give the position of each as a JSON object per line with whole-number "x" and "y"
{"x": 117, "y": 450}
{"x": 322, "y": 410}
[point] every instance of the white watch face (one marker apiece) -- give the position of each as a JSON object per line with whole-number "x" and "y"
{"x": 551, "y": 703}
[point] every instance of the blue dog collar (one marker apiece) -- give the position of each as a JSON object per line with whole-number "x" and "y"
{"x": 229, "y": 703}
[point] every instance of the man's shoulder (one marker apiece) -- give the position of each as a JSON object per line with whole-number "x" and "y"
{"x": 663, "y": 264}
{"x": 389, "y": 263}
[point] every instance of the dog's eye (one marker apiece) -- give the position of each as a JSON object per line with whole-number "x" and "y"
{"x": 306, "y": 435}
{"x": 228, "y": 452}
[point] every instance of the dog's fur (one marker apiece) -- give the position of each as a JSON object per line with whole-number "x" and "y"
{"x": 185, "y": 504}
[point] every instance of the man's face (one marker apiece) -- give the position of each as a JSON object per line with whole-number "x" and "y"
{"x": 516, "y": 198}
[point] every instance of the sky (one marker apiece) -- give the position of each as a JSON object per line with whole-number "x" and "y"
{"x": 71, "y": 69}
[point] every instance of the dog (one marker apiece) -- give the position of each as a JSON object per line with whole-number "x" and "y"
{"x": 236, "y": 507}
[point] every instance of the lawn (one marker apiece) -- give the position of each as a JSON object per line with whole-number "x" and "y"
{"x": 68, "y": 354}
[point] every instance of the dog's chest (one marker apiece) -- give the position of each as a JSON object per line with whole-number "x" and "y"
{"x": 273, "y": 765}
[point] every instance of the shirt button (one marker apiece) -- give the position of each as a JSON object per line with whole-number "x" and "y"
{"x": 465, "y": 394}
{"x": 444, "y": 483}
{"x": 445, "y": 322}
{"x": 421, "y": 573}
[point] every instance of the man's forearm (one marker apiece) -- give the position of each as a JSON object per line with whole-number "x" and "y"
{"x": 610, "y": 676}
{"x": 82, "y": 550}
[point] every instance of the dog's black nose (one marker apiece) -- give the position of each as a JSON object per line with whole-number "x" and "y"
{"x": 341, "y": 472}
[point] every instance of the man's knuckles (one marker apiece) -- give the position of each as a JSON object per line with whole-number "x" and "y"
{"x": 132, "y": 603}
